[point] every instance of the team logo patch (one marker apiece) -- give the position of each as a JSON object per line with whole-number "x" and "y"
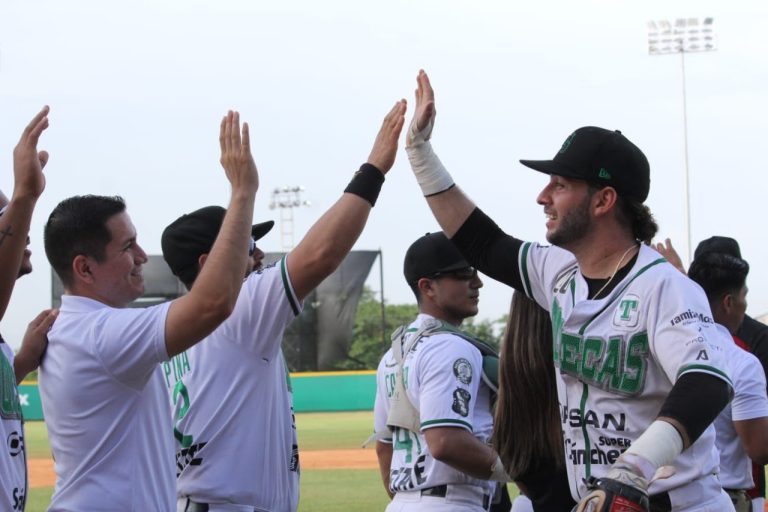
{"x": 461, "y": 398}
{"x": 15, "y": 443}
{"x": 567, "y": 143}
{"x": 628, "y": 311}
{"x": 462, "y": 369}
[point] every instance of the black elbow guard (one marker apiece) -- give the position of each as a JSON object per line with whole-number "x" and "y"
{"x": 695, "y": 401}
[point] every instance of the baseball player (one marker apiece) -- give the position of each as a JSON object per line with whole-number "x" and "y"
{"x": 236, "y": 444}
{"x": 752, "y": 334}
{"x": 742, "y": 427}
{"x": 639, "y": 361}
{"x": 15, "y": 218}
{"x": 436, "y": 457}
{"x": 101, "y": 382}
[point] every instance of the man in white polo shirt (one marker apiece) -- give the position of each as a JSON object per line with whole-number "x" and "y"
{"x": 101, "y": 383}
{"x": 235, "y": 436}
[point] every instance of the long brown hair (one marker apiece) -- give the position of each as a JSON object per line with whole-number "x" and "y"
{"x": 527, "y": 418}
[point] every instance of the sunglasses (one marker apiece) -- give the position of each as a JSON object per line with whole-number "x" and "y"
{"x": 252, "y": 247}
{"x": 462, "y": 274}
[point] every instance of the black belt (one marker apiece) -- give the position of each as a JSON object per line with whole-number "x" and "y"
{"x": 193, "y": 506}
{"x": 439, "y": 491}
{"x": 660, "y": 502}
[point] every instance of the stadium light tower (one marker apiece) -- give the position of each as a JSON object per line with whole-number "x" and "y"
{"x": 286, "y": 199}
{"x": 688, "y": 35}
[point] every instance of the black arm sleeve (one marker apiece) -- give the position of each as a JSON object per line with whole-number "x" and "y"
{"x": 486, "y": 247}
{"x": 695, "y": 401}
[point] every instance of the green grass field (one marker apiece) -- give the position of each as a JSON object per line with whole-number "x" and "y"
{"x": 322, "y": 490}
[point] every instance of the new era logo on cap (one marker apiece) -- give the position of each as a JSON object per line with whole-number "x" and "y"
{"x": 602, "y": 157}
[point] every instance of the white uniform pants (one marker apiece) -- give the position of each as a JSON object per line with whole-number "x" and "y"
{"x": 721, "y": 503}
{"x": 458, "y": 498}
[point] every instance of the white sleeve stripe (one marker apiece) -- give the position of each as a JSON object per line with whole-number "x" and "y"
{"x": 694, "y": 368}
{"x": 288, "y": 289}
{"x": 446, "y": 422}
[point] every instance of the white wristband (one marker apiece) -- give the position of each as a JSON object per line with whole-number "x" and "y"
{"x": 430, "y": 174}
{"x": 658, "y": 446}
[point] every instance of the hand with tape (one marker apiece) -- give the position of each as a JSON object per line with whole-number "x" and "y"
{"x": 622, "y": 489}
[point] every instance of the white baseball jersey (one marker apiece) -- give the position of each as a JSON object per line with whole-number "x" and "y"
{"x": 106, "y": 408}
{"x": 618, "y": 357}
{"x": 13, "y": 459}
{"x": 442, "y": 377}
{"x": 233, "y": 423}
{"x": 749, "y": 402}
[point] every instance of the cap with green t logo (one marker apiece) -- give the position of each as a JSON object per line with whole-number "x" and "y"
{"x": 601, "y": 157}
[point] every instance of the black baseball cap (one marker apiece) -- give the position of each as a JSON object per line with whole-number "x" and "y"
{"x": 719, "y": 244}
{"x": 602, "y": 157}
{"x": 193, "y": 234}
{"x": 431, "y": 254}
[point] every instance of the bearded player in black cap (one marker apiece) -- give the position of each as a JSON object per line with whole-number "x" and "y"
{"x": 638, "y": 360}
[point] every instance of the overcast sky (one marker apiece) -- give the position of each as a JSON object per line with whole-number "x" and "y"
{"x": 137, "y": 90}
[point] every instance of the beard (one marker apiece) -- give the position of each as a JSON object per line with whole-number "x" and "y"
{"x": 574, "y": 225}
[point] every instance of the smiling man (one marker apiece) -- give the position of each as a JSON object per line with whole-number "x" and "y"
{"x": 639, "y": 361}
{"x": 101, "y": 381}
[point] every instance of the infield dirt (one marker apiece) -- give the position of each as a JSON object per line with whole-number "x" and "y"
{"x": 41, "y": 469}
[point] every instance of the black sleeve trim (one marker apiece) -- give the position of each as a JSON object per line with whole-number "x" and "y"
{"x": 487, "y": 248}
{"x": 695, "y": 401}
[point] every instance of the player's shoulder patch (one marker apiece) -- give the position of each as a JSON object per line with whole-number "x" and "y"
{"x": 462, "y": 370}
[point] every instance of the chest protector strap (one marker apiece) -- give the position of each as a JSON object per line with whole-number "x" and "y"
{"x": 402, "y": 413}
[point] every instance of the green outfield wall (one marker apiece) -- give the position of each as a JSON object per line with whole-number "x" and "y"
{"x": 312, "y": 392}
{"x": 333, "y": 391}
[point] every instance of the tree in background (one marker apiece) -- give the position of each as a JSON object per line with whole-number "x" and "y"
{"x": 368, "y": 344}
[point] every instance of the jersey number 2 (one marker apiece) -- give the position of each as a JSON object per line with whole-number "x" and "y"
{"x": 180, "y": 390}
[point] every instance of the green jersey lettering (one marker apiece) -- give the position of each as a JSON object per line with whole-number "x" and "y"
{"x": 614, "y": 365}
{"x": 10, "y": 407}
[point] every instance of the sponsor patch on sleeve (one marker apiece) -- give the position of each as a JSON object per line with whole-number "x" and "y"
{"x": 461, "y": 398}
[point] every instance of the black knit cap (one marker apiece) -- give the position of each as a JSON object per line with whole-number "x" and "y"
{"x": 601, "y": 157}
{"x": 193, "y": 234}
{"x": 719, "y": 244}
{"x": 431, "y": 254}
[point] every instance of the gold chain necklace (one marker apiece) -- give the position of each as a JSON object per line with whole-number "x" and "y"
{"x": 618, "y": 265}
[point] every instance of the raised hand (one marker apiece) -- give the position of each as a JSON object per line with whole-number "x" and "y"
{"x": 28, "y": 163}
{"x": 385, "y": 146}
{"x": 236, "y": 155}
{"x": 669, "y": 252}
{"x": 424, "y": 116}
